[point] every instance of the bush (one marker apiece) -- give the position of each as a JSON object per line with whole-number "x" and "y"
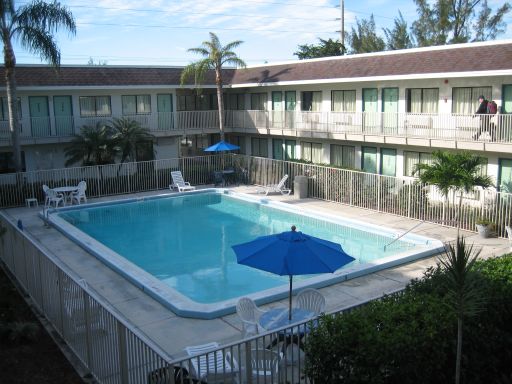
{"x": 410, "y": 337}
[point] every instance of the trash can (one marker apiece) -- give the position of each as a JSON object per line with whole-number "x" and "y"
{"x": 300, "y": 187}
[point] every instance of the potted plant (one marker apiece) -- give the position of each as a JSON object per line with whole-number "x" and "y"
{"x": 484, "y": 226}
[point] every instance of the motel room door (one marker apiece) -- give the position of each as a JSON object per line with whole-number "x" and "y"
{"x": 390, "y": 110}
{"x": 63, "y": 111}
{"x": 39, "y": 116}
{"x": 370, "y": 111}
{"x": 164, "y": 110}
{"x": 277, "y": 109}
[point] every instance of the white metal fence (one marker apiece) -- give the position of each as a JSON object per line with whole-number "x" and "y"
{"x": 394, "y": 195}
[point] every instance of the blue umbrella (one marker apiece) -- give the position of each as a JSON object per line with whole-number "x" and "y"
{"x": 221, "y": 146}
{"x": 292, "y": 253}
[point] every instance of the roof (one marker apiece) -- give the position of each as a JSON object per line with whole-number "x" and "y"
{"x": 105, "y": 76}
{"x": 464, "y": 59}
{"x": 433, "y": 60}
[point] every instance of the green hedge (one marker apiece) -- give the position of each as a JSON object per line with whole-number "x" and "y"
{"x": 410, "y": 337}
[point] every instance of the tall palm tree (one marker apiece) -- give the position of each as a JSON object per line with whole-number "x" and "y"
{"x": 33, "y": 25}
{"x": 214, "y": 57}
{"x": 127, "y": 133}
{"x": 454, "y": 171}
{"x": 464, "y": 296}
{"x": 94, "y": 146}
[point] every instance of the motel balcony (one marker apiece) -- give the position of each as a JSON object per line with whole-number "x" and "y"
{"x": 430, "y": 130}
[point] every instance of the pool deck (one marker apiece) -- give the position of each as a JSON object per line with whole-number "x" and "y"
{"x": 172, "y": 333}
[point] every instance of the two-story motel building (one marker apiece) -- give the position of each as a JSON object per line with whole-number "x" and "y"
{"x": 380, "y": 112}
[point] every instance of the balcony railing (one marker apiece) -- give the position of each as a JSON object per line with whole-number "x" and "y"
{"x": 483, "y": 128}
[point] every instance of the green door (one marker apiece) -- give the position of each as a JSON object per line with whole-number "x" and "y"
{"x": 63, "y": 112}
{"x": 290, "y": 101}
{"x": 289, "y": 150}
{"x": 277, "y": 109}
{"x": 277, "y": 149}
{"x": 505, "y": 175}
{"x": 39, "y": 116}
{"x": 164, "y": 110}
{"x": 388, "y": 162}
{"x": 507, "y": 99}
{"x": 369, "y": 159}
{"x": 390, "y": 110}
{"x": 370, "y": 115}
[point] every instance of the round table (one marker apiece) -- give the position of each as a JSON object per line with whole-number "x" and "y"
{"x": 278, "y": 317}
{"x": 66, "y": 191}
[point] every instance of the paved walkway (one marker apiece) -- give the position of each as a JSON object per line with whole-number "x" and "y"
{"x": 172, "y": 333}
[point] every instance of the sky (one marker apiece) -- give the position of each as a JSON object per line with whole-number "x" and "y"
{"x": 159, "y": 32}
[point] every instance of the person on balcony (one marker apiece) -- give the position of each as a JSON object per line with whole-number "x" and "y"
{"x": 484, "y": 118}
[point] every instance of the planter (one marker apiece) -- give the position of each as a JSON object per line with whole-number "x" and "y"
{"x": 484, "y": 230}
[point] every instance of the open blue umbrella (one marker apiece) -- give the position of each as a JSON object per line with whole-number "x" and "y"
{"x": 292, "y": 253}
{"x": 221, "y": 146}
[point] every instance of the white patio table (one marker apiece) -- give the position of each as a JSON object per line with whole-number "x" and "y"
{"x": 66, "y": 191}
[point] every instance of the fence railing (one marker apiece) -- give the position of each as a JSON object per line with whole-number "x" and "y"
{"x": 394, "y": 195}
{"x": 495, "y": 128}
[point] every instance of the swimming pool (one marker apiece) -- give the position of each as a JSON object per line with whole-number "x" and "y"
{"x": 178, "y": 247}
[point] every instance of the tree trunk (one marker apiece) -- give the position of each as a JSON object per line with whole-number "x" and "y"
{"x": 220, "y": 101}
{"x": 12, "y": 104}
{"x": 459, "y": 349}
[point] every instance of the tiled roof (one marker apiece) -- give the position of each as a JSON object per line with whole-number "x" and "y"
{"x": 443, "y": 60}
{"x": 102, "y": 76}
{"x": 415, "y": 62}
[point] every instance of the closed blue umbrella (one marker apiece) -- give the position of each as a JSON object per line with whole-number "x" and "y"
{"x": 292, "y": 253}
{"x": 221, "y": 146}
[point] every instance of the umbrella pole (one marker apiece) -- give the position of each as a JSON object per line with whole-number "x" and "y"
{"x": 290, "y": 300}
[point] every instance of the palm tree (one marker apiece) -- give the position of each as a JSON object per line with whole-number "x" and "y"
{"x": 464, "y": 296}
{"x": 214, "y": 57}
{"x": 454, "y": 171}
{"x": 94, "y": 146}
{"x": 127, "y": 133}
{"x": 32, "y": 25}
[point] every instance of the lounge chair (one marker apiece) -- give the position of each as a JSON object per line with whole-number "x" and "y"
{"x": 311, "y": 300}
{"x": 509, "y": 233}
{"x": 249, "y": 314}
{"x": 178, "y": 182}
{"x": 278, "y": 188}
{"x": 211, "y": 365}
{"x": 79, "y": 195}
{"x": 265, "y": 366}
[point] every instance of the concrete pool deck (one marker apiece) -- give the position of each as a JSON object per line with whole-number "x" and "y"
{"x": 172, "y": 333}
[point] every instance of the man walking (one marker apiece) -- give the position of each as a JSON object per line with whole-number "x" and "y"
{"x": 484, "y": 119}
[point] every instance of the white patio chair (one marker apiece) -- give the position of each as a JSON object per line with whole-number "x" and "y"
{"x": 178, "y": 182}
{"x": 211, "y": 365}
{"x": 278, "y": 188}
{"x": 79, "y": 195}
{"x": 249, "y": 313}
{"x": 311, "y": 300}
{"x": 265, "y": 365}
{"x": 509, "y": 234}
{"x": 52, "y": 198}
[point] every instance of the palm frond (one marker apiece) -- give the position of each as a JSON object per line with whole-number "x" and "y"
{"x": 232, "y": 45}
{"x": 47, "y": 17}
{"x": 200, "y": 51}
{"x": 39, "y": 42}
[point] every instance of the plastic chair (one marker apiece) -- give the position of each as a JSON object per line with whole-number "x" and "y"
{"x": 279, "y": 187}
{"x": 311, "y": 300}
{"x": 179, "y": 182}
{"x": 265, "y": 365}
{"x": 211, "y": 365}
{"x": 52, "y": 198}
{"x": 79, "y": 195}
{"x": 249, "y": 313}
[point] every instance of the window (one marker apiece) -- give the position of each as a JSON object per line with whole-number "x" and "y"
{"x": 413, "y": 158}
{"x": 343, "y": 101}
{"x": 369, "y": 160}
{"x": 95, "y": 106}
{"x": 136, "y": 104}
{"x": 505, "y": 175}
{"x": 312, "y": 152}
{"x": 237, "y": 140}
{"x": 465, "y": 100}
{"x": 258, "y": 101}
{"x": 236, "y": 101}
{"x": 311, "y": 101}
{"x": 4, "y": 109}
{"x": 422, "y": 100}
{"x": 343, "y": 155}
{"x": 144, "y": 151}
{"x": 283, "y": 149}
{"x": 259, "y": 147}
{"x": 7, "y": 162}
{"x": 388, "y": 162}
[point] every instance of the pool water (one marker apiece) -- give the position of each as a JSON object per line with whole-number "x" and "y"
{"x": 185, "y": 241}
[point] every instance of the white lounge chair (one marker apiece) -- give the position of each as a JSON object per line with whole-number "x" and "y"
{"x": 311, "y": 300}
{"x": 278, "y": 188}
{"x": 509, "y": 233}
{"x": 211, "y": 365}
{"x": 79, "y": 195}
{"x": 178, "y": 182}
{"x": 249, "y": 314}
